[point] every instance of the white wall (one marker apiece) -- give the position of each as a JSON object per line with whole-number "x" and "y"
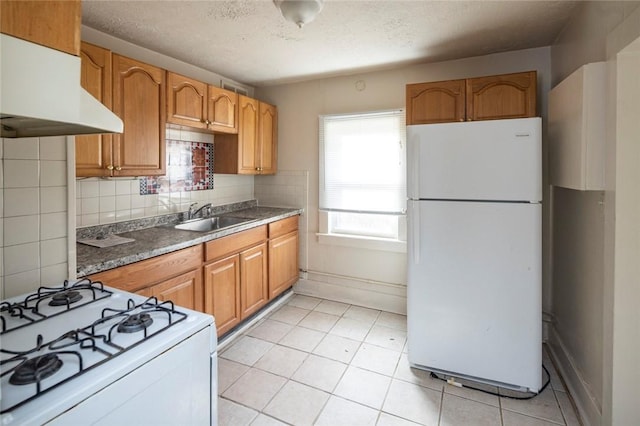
{"x": 586, "y": 268}
{"x": 361, "y": 276}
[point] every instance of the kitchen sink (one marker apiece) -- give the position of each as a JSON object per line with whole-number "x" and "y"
{"x": 211, "y": 223}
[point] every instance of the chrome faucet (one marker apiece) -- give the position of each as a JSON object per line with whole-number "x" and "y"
{"x": 191, "y": 213}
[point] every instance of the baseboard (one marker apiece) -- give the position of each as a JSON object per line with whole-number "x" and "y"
{"x": 370, "y": 294}
{"x": 229, "y": 338}
{"x": 585, "y": 402}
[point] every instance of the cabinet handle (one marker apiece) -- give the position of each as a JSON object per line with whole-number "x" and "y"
{"x": 118, "y": 168}
{"x": 109, "y": 167}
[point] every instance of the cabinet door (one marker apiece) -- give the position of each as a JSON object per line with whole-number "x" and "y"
{"x": 222, "y": 110}
{"x": 139, "y": 100}
{"x": 184, "y": 290}
{"x": 93, "y": 152}
{"x": 248, "y": 152}
{"x": 53, "y": 23}
{"x": 501, "y": 96}
{"x": 253, "y": 279}
{"x": 283, "y": 263}
{"x": 268, "y": 139}
{"x": 186, "y": 101}
{"x": 222, "y": 292}
{"x": 437, "y": 102}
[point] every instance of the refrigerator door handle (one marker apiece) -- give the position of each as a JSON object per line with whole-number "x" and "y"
{"x": 413, "y": 152}
{"x": 415, "y": 234}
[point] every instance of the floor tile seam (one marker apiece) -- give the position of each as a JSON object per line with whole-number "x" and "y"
{"x": 276, "y": 393}
{"x": 399, "y": 416}
{"x": 534, "y": 417}
{"x": 470, "y": 399}
{"x": 315, "y": 420}
{"x": 234, "y": 382}
{"x": 310, "y": 328}
{"x": 379, "y": 410}
{"x": 258, "y": 412}
{"x": 418, "y": 384}
{"x": 277, "y": 374}
{"x": 395, "y": 367}
{"x": 562, "y": 413}
{"x": 384, "y": 347}
{"x": 441, "y": 406}
{"x": 282, "y": 387}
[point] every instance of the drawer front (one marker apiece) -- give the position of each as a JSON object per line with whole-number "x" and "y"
{"x": 283, "y": 226}
{"x": 234, "y": 243}
{"x": 147, "y": 272}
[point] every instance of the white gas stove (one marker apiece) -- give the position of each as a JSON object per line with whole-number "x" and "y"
{"x": 86, "y": 353}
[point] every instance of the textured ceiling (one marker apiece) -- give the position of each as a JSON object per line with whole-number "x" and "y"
{"x": 250, "y": 42}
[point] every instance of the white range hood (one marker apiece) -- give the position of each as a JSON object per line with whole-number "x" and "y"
{"x": 40, "y": 94}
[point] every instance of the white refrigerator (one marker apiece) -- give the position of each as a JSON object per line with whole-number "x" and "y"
{"x": 475, "y": 250}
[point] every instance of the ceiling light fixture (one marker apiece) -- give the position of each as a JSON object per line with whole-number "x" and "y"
{"x": 300, "y": 12}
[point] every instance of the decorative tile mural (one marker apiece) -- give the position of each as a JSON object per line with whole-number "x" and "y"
{"x": 189, "y": 168}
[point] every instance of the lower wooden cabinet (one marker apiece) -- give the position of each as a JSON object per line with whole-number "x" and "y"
{"x": 283, "y": 255}
{"x": 222, "y": 292}
{"x": 174, "y": 276}
{"x": 253, "y": 279}
{"x": 235, "y": 282}
{"x": 184, "y": 290}
{"x": 231, "y": 277}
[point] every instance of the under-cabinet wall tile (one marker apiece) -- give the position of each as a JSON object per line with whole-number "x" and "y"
{"x": 107, "y": 188}
{"x": 53, "y": 252}
{"x": 107, "y": 204}
{"x": 90, "y": 205}
{"x": 90, "y": 188}
{"x": 20, "y": 173}
{"x": 123, "y": 187}
{"x": 53, "y": 199}
{"x": 21, "y": 230}
{"x": 55, "y": 274}
{"x": 53, "y": 148}
{"x": 21, "y": 149}
{"x": 21, "y": 258}
{"x": 53, "y": 225}
{"x": 107, "y": 217}
{"x": 21, "y": 283}
{"x": 53, "y": 173}
{"x": 90, "y": 219}
{"x": 21, "y": 201}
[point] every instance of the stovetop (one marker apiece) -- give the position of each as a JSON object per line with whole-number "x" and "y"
{"x": 63, "y": 336}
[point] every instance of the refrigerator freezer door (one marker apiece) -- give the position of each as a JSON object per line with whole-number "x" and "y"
{"x": 479, "y": 160}
{"x": 474, "y": 290}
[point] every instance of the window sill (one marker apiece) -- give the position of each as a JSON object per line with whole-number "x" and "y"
{"x": 369, "y": 243}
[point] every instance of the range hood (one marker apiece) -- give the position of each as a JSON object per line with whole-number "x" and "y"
{"x": 40, "y": 94}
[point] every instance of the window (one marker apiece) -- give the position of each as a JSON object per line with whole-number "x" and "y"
{"x": 362, "y": 174}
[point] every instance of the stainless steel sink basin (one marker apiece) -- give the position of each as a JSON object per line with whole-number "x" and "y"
{"x": 211, "y": 224}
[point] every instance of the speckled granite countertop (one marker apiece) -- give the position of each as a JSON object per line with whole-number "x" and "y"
{"x": 155, "y": 241}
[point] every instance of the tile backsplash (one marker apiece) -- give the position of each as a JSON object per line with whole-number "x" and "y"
{"x": 101, "y": 201}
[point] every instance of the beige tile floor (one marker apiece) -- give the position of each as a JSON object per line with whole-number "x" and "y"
{"x": 318, "y": 362}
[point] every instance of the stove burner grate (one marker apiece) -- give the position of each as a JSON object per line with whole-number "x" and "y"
{"x": 36, "y": 369}
{"x": 135, "y": 322}
{"x": 65, "y": 298}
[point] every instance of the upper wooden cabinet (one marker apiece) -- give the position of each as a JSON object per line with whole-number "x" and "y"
{"x": 54, "y": 24}
{"x": 436, "y": 102}
{"x": 482, "y": 98}
{"x": 139, "y": 100}
{"x": 253, "y": 150}
{"x": 198, "y": 105}
{"x": 93, "y": 152}
{"x": 186, "y": 101}
{"x": 135, "y": 91}
{"x": 502, "y": 96}
{"x": 222, "y": 110}
{"x": 267, "y": 139}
